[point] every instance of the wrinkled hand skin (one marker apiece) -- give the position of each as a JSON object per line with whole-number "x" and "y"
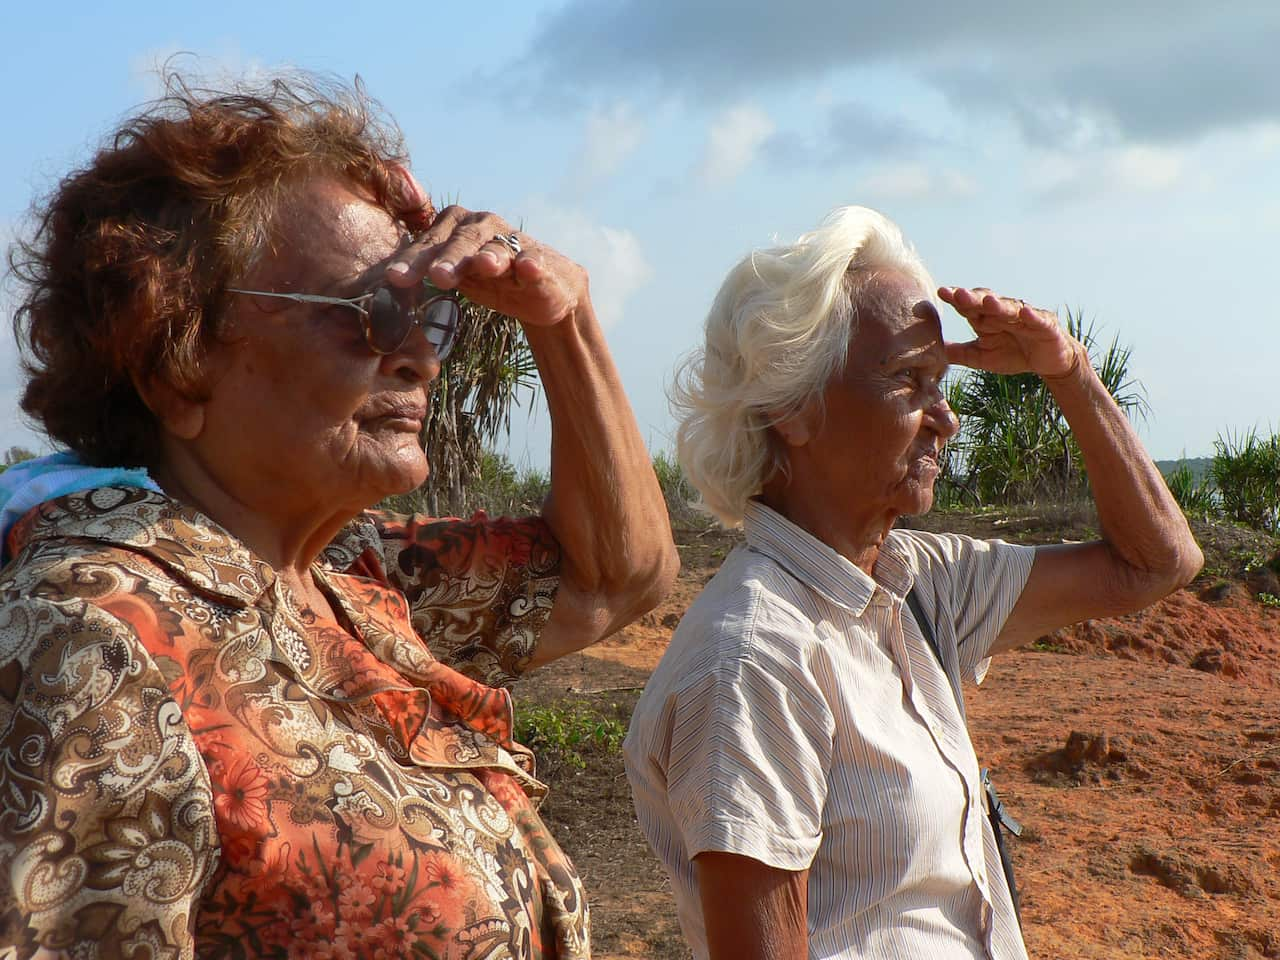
{"x": 455, "y": 250}
{"x": 1012, "y": 336}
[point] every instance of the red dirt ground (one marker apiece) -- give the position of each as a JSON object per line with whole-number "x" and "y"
{"x": 1142, "y": 753}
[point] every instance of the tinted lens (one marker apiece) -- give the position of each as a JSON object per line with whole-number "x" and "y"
{"x": 388, "y": 322}
{"x": 439, "y": 323}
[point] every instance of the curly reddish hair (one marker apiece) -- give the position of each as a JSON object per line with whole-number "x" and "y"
{"x": 123, "y": 281}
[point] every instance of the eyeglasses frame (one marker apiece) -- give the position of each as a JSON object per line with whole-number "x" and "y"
{"x": 357, "y": 304}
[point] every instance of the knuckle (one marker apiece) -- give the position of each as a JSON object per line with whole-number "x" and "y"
{"x": 483, "y": 219}
{"x": 473, "y": 231}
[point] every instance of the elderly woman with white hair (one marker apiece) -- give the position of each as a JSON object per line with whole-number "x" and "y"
{"x": 799, "y": 760}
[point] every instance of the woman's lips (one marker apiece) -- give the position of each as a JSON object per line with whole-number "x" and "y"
{"x": 402, "y": 424}
{"x": 406, "y": 417}
{"x": 925, "y": 463}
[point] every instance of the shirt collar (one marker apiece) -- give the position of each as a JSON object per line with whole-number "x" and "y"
{"x": 828, "y": 573}
{"x": 182, "y": 540}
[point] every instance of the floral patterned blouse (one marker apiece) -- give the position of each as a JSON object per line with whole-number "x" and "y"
{"x": 192, "y": 764}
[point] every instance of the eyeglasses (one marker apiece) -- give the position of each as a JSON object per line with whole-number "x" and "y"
{"x": 388, "y": 314}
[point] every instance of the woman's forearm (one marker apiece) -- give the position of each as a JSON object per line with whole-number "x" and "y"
{"x": 605, "y": 506}
{"x": 1141, "y": 522}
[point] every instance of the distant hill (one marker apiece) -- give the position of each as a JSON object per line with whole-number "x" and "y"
{"x": 1199, "y": 466}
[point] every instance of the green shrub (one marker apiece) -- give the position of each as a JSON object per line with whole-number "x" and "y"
{"x": 1048, "y": 645}
{"x": 564, "y": 734}
{"x": 677, "y": 491}
{"x": 499, "y": 489}
{"x": 1197, "y": 498}
{"x": 1246, "y": 471}
{"x": 14, "y": 456}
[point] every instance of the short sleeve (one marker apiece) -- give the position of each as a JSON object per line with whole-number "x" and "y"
{"x": 750, "y": 747}
{"x": 480, "y": 591}
{"x": 981, "y": 581}
{"x": 107, "y": 832}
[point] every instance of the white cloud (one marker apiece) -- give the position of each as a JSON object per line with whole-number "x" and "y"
{"x": 1153, "y": 70}
{"x": 612, "y": 256}
{"x": 915, "y": 181}
{"x": 610, "y": 136}
{"x": 957, "y": 184}
{"x": 1147, "y": 168}
{"x": 735, "y": 137}
{"x": 1268, "y": 137}
{"x": 1140, "y": 168}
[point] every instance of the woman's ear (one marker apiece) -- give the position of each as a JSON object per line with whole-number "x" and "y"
{"x": 180, "y": 415}
{"x": 796, "y": 429}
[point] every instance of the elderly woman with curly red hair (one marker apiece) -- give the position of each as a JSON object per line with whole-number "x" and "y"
{"x": 240, "y": 714}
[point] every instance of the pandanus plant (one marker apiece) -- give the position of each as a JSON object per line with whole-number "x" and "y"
{"x": 488, "y": 368}
{"x": 1014, "y": 445}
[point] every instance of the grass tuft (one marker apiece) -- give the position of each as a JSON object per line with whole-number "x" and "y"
{"x": 563, "y": 735}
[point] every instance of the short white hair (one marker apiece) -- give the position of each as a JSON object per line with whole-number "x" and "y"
{"x": 779, "y": 330}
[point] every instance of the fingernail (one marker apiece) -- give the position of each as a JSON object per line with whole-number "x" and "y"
{"x": 445, "y": 268}
{"x": 399, "y": 269}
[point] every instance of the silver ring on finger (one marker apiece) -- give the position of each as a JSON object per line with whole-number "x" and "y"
{"x": 510, "y": 241}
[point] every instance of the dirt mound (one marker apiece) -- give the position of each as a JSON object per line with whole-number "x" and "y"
{"x": 1226, "y": 632}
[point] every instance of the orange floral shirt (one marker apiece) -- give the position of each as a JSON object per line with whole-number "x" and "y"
{"x": 193, "y": 764}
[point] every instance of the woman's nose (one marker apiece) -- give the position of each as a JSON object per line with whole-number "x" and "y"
{"x": 416, "y": 359}
{"x": 945, "y": 422}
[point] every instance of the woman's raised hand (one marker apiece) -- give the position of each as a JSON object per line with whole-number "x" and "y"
{"x": 1013, "y": 337}
{"x": 484, "y": 259}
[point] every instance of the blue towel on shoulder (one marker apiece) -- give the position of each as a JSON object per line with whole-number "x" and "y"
{"x": 30, "y": 483}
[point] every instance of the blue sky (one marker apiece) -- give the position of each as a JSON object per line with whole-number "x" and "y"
{"x": 1119, "y": 158}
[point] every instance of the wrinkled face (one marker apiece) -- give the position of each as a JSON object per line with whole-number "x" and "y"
{"x": 300, "y": 402}
{"x": 885, "y": 419}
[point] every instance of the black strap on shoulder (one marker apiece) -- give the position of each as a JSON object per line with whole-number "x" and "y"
{"x": 926, "y": 628}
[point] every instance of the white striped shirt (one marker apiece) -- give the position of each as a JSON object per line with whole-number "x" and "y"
{"x": 800, "y": 718}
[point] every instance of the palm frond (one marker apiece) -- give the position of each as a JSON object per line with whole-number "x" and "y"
{"x": 490, "y": 367}
{"x": 1014, "y": 444}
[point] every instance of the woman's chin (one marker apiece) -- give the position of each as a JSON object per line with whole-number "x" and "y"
{"x": 918, "y": 500}
{"x": 410, "y": 478}
{"x": 403, "y": 473}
